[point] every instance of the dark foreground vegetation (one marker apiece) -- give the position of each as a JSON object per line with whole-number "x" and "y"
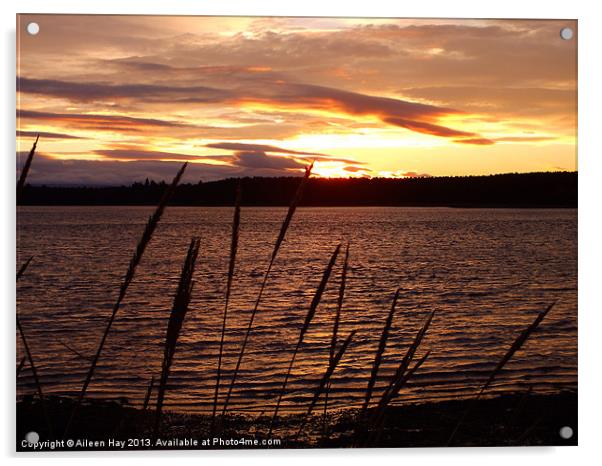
{"x": 516, "y": 420}
{"x": 557, "y": 189}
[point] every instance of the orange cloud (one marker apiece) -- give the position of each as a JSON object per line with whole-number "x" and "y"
{"x": 413, "y": 116}
{"x": 477, "y": 141}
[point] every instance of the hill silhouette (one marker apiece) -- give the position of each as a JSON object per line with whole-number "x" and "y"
{"x": 546, "y": 189}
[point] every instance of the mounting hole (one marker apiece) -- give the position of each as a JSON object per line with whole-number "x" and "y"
{"x": 566, "y": 33}
{"x": 566, "y": 432}
{"x": 33, "y": 28}
{"x": 32, "y": 437}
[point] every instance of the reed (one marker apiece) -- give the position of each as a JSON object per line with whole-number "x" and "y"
{"x": 335, "y": 326}
{"x": 30, "y": 360}
{"x": 397, "y": 385}
{"x": 341, "y": 297}
{"x": 153, "y": 221}
{"x": 23, "y": 268}
{"x": 407, "y": 359}
{"x": 36, "y": 379}
{"x": 283, "y": 229}
{"x": 231, "y": 265}
{"x": 25, "y": 170}
{"x": 382, "y": 344}
{"x": 74, "y": 351}
{"x": 516, "y": 345}
{"x": 174, "y": 326}
{"x": 291, "y": 210}
{"x": 308, "y": 318}
{"x": 149, "y": 392}
{"x": 21, "y": 365}
{"x": 28, "y": 356}
{"x": 520, "y": 340}
{"x": 332, "y": 365}
{"x": 26, "y": 344}
{"x": 399, "y": 379}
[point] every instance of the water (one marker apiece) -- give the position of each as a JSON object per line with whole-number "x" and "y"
{"x": 487, "y": 272}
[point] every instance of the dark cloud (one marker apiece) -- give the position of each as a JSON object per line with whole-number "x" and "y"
{"x": 87, "y": 92}
{"x": 137, "y": 64}
{"x": 141, "y": 154}
{"x": 328, "y": 158}
{"x": 221, "y": 73}
{"x": 45, "y": 135}
{"x": 415, "y": 175}
{"x": 286, "y": 93}
{"x": 355, "y": 103}
{"x": 239, "y": 146}
{"x": 100, "y": 122}
{"x": 410, "y": 115}
{"x": 307, "y": 157}
{"x": 150, "y": 126}
{"x": 428, "y": 128}
{"x": 262, "y": 160}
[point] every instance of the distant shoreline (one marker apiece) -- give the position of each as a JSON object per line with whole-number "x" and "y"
{"x": 327, "y": 206}
{"x": 530, "y": 190}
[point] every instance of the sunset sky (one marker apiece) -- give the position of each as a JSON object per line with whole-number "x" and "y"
{"x": 117, "y": 99}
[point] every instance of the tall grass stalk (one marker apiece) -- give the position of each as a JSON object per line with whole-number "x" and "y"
{"x": 400, "y": 377}
{"x": 335, "y": 326}
{"x": 231, "y": 265}
{"x": 174, "y": 326}
{"x": 283, "y": 229}
{"x": 21, "y": 365}
{"x": 332, "y": 365}
{"x": 308, "y": 318}
{"x": 153, "y": 221}
{"x": 149, "y": 392}
{"x": 23, "y": 268}
{"x": 382, "y": 344}
{"x": 516, "y": 345}
{"x": 20, "y": 187}
{"x": 36, "y": 379}
{"x": 397, "y": 385}
{"x": 28, "y": 355}
{"x": 74, "y": 351}
{"x": 401, "y": 381}
{"x": 25, "y": 170}
{"x": 340, "y": 298}
{"x": 408, "y": 357}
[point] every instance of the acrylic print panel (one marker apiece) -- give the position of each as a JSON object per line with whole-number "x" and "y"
{"x": 295, "y": 232}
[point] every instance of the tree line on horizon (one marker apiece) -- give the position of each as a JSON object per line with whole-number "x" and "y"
{"x": 542, "y": 189}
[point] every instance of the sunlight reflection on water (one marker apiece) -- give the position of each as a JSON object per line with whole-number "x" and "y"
{"x": 486, "y": 272}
